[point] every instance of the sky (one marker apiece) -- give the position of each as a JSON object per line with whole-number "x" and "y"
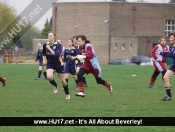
{"x": 20, "y": 5}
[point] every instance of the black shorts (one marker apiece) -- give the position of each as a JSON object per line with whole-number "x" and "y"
{"x": 58, "y": 69}
{"x": 172, "y": 68}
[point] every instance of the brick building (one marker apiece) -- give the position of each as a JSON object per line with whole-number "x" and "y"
{"x": 115, "y": 29}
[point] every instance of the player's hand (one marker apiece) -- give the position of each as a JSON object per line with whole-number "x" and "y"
{"x": 157, "y": 52}
{"x": 44, "y": 63}
{"x": 47, "y": 46}
{"x": 73, "y": 57}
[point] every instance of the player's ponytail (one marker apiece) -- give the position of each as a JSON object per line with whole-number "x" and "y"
{"x": 87, "y": 41}
{"x": 83, "y": 37}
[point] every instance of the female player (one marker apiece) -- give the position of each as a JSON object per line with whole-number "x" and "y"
{"x": 79, "y": 62}
{"x": 3, "y": 80}
{"x": 39, "y": 56}
{"x": 90, "y": 65}
{"x": 70, "y": 54}
{"x": 159, "y": 61}
{"x": 52, "y": 51}
{"x": 169, "y": 73}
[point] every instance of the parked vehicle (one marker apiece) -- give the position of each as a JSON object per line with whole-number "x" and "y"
{"x": 148, "y": 62}
{"x": 139, "y": 59}
{"x": 121, "y": 61}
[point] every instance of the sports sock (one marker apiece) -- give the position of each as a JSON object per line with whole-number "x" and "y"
{"x": 66, "y": 90}
{"x": 81, "y": 86}
{"x": 1, "y": 79}
{"x": 39, "y": 74}
{"x": 106, "y": 84}
{"x": 152, "y": 81}
{"x": 53, "y": 83}
{"x": 168, "y": 91}
{"x": 45, "y": 74}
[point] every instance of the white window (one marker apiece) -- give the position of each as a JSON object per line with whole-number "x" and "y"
{"x": 130, "y": 46}
{"x": 169, "y": 26}
{"x": 123, "y": 46}
{"x": 115, "y": 46}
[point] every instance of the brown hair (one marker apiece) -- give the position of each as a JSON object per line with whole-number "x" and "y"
{"x": 83, "y": 37}
{"x": 76, "y": 37}
{"x": 53, "y": 33}
{"x": 70, "y": 39}
{"x": 163, "y": 37}
{"x": 172, "y": 34}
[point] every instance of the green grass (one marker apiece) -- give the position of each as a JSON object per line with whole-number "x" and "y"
{"x": 25, "y": 97}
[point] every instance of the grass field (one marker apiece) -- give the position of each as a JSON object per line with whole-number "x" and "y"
{"x": 25, "y": 97}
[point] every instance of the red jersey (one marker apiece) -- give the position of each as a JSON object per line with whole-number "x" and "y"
{"x": 164, "y": 48}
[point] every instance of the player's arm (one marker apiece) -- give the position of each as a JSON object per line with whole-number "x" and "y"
{"x": 89, "y": 53}
{"x": 37, "y": 56}
{"x": 64, "y": 56}
{"x": 168, "y": 54}
{"x": 51, "y": 51}
{"x": 153, "y": 52}
{"x": 44, "y": 54}
{"x": 75, "y": 55}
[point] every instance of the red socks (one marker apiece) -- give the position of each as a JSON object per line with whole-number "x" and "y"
{"x": 81, "y": 86}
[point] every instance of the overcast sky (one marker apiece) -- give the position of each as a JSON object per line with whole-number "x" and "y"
{"x": 20, "y": 5}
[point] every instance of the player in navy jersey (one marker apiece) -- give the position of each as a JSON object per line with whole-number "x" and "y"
{"x": 79, "y": 62}
{"x": 62, "y": 53}
{"x": 52, "y": 51}
{"x": 171, "y": 71}
{"x": 39, "y": 56}
{"x": 159, "y": 61}
{"x": 70, "y": 54}
{"x": 3, "y": 80}
{"x": 90, "y": 65}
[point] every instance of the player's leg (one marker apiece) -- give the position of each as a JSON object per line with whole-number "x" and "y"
{"x": 61, "y": 75}
{"x": 39, "y": 73}
{"x": 44, "y": 72}
{"x": 3, "y": 80}
{"x": 166, "y": 78}
{"x": 80, "y": 74}
{"x": 84, "y": 79}
{"x": 73, "y": 73}
{"x": 157, "y": 69}
{"x": 99, "y": 80}
{"x": 66, "y": 76}
{"x": 51, "y": 79}
{"x": 66, "y": 73}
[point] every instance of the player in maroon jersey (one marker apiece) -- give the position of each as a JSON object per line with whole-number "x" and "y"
{"x": 159, "y": 61}
{"x": 90, "y": 65}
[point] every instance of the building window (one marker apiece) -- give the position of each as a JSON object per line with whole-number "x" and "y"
{"x": 169, "y": 26}
{"x": 115, "y": 46}
{"x": 123, "y": 46}
{"x": 130, "y": 46}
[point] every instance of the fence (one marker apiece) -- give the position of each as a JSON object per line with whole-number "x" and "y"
{"x": 11, "y": 58}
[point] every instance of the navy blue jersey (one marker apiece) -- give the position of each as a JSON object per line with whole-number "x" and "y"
{"x": 77, "y": 48}
{"x": 39, "y": 56}
{"x": 70, "y": 52}
{"x": 53, "y": 60}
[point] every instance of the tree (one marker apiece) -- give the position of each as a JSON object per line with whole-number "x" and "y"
{"x": 8, "y": 20}
{"x": 46, "y": 29}
{"x": 27, "y": 35}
